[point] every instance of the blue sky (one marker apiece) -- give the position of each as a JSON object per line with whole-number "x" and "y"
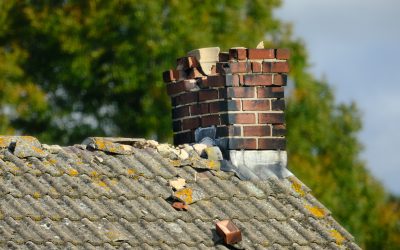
{"x": 355, "y": 45}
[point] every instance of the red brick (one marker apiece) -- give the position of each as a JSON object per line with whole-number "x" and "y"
{"x": 187, "y": 62}
{"x": 256, "y": 131}
{"x": 203, "y": 82}
{"x": 180, "y": 86}
{"x": 283, "y": 54}
{"x": 177, "y": 126}
{"x": 180, "y": 206}
{"x": 271, "y": 118}
{"x": 233, "y": 67}
{"x": 237, "y": 92}
{"x": 271, "y": 143}
{"x": 233, "y": 80}
{"x": 229, "y": 232}
{"x": 194, "y": 73}
{"x": 280, "y": 67}
{"x": 229, "y": 131}
{"x": 238, "y": 54}
{"x": 259, "y": 80}
{"x": 261, "y": 53}
{"x": 208, "y": 94}
{"x": 190, "y": 123}
{"x": 185, "y": 137}
{"x": 185, "y": 98}
{"x": 256, "y": 67}
{"x": 278, "y": 105}
{"x": 267, "y": 67}
{"x": 199, "y": 109}
{"x": 278, "y": 130}
{"x": 280, "y": 79}
{"x": 209, "y": 120}
{"x": 256, "y": 105}
{"x": 216, "y": 107}
{"x": 170, "y": 75}
{"x": 180, "y": 112}
{"x": 239, "y": 118}
{"x": 225, "y": 105}
{"x": 195, "y": 110}
{"x": 270, "y": 92}
{"x": 216, "y": 80}
{"x": 242, "y": 143}
{"x": 223, "y": 56}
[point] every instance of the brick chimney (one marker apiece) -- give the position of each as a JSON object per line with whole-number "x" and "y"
{"x": 237, "y": 94}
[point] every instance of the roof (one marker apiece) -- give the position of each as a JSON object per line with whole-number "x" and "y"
{"x": 115, "y": 194}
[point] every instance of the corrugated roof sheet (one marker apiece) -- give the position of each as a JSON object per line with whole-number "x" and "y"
{"x": 76, "y": 197}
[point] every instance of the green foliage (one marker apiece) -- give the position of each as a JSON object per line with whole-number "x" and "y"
{"x": 70, "y": 69}
{"x": 99, "y": 62}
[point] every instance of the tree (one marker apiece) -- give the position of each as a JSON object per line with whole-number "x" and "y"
{"x": 99, "y": 62}
{"x": 72, "y": 69}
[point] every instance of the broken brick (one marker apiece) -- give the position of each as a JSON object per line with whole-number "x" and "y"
{"x": 180, "y": 206}
{"x": 238, "y": 53}
{"x": 229, "y": 232}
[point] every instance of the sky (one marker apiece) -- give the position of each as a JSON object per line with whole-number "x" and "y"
{"x": 355, "y": 45}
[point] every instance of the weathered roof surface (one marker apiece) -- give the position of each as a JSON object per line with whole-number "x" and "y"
{"x": 87, "y": 197}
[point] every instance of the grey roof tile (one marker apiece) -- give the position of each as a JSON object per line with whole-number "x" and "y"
{"x": 77, "y": 198}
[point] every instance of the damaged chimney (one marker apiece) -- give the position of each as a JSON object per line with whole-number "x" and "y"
{"x": 235, "y": 97}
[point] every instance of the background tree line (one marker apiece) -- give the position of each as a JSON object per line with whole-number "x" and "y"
{"x": 70, "y": 69}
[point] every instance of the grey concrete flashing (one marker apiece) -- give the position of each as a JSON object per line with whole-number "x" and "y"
{"x": 262, "y": 163}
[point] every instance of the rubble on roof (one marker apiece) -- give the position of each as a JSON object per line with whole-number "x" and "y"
{"x": 85, "y": 196}
{"x": 107, "y": 145}
{"x": 229, "y": 232}
{"x": 23, "y": 146}
{"x": 200, "y": 156}
{"x": 177, "y": 183}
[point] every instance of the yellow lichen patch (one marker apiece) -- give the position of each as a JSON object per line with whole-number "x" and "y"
{"x": 56, "y": 217}
{"x": 316, "y": 211}
{"x": 73, "y": 172}
{"x": 108, "y": 146}
{"x": 185, "y": 194}
{"x": 36, "y": 195}
{"x": 297, "y": 187}
{"x": 4, "y": 141}
{"x": 213, "y": 164}
{"x": 101, "y": 144}
{"x": 1, "y": 215}
{"x": 130, "y": 171}
{"x": 94, "y": 174}
{"x": 102, "y": 184}
{"x": 337, "y": 236}
{"x": 37, "y": 150}
{"x": 36, "y": 172}
{"x": 14, "y": 169}
{"x": 36, "y": 217}
{"x": 176, "y": 163}
{"x": 52, "y": 161}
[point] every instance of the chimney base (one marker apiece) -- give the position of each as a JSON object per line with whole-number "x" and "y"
{"x": 263, "y": 163}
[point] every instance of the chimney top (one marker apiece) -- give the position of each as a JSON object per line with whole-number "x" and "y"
{"x": 237, "y": 97}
